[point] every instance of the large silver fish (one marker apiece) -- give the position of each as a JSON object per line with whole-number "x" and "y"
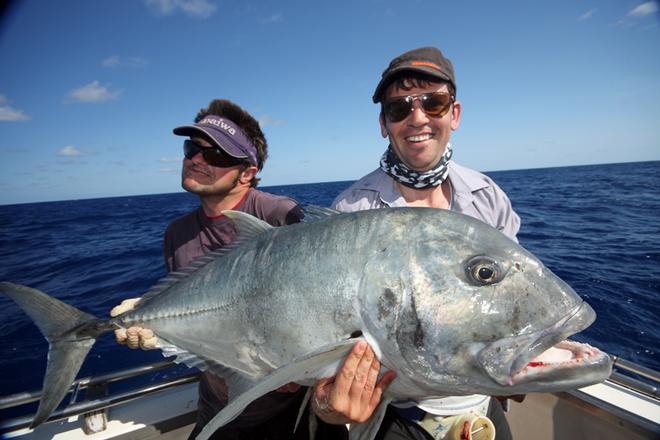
{"x": 448, "y": 302}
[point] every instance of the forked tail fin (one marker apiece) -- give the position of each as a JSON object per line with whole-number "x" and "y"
{"x": 70, "y": 338}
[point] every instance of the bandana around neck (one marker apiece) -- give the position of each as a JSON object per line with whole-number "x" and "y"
{"x": 394, "y": 167}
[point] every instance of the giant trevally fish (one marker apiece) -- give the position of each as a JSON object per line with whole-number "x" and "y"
{"x": 448, "y": 302}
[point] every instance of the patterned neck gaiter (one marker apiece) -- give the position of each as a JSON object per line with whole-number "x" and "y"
{"x": 392, "y": 165}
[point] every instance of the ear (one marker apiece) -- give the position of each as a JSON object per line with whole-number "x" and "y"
{"x": 383, "y": 127}
{"x": 248, "y": 174}
{"x": 456, "y": 115}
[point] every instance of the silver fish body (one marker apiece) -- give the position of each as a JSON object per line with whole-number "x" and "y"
{"x": 449, "y": 303}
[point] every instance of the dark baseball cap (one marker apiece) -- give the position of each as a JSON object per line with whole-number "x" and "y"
{"x": 426, "y": 60}
{"x": 223, "y": 133}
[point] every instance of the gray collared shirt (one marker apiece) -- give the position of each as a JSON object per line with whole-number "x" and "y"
{"x": 473, "y": 194}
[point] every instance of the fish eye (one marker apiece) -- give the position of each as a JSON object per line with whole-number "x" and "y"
{"x": 482, "y": 271}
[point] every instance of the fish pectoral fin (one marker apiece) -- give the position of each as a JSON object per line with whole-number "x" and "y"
{"x": 308, "y": 396}
{"x": 369, "y": 429}
{"x": 305, "y": 367}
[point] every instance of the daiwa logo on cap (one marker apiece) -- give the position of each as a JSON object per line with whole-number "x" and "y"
{"x": 220, "y": 123}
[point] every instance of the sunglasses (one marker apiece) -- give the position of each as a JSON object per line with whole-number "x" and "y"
{"x": 212, "y": 155}
{"x": 434, "y": 104}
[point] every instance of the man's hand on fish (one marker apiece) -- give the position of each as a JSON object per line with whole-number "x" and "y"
{"x": 354, "y": 393}
{"x": 133, "y": 337}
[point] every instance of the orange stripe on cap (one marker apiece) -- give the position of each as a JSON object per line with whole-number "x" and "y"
{"x": 425, "y": 63}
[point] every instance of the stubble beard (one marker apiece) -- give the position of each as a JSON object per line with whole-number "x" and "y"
{"x": 405, "y": 155}
{"x": 193, "y": 186}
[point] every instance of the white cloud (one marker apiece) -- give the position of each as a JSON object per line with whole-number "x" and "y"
{"x": 111, "y": 61}
{"x": 635, "y": 16}
{"x": 170, "y": 160}
{"x": 71, "y": 151}
{"x": 193, "y": 8}
{"x": 9, "y": 113}
{"x": 93, "y": 92}
{"x": 644, "y": 9}
{"x": 116, "y": 61}
{"x": 170, "y": 170}
{"x": 587, "y": 15}
{"x": 275, "y": 18}
{"x": 267, "y": 120}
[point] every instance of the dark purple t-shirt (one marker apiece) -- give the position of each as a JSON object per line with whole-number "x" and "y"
{"x": 195, "y": 234}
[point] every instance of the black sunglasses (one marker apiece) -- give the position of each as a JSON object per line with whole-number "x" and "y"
{"x": 214, "y": 155}
{"x": 434, "y": 104}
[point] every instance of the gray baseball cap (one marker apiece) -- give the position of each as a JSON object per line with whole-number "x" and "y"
{"x": 426, "y": 60}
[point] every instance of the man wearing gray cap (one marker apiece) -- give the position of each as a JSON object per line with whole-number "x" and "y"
{"x": 223, "y": 153}
{"x": 419, "y": 110}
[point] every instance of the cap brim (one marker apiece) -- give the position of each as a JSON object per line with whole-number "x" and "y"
{"x": 193, "y": 130}
{"x": 394, "y": 73}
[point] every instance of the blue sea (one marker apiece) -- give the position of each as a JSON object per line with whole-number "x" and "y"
{"x": 597, "y": 227}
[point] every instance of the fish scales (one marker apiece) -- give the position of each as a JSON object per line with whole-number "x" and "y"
{"x": 234, "y": 307}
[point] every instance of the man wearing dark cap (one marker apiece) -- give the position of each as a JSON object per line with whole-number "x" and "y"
{"x": 419, "y": 110}
{"x": 223, "y": 153}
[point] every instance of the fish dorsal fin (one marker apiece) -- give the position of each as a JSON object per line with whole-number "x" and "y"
{"x": 313, "y": 212}
{"x": 170, "y": 279}
{"x": 247, "y": 228}
{"x": 307, "y": 366}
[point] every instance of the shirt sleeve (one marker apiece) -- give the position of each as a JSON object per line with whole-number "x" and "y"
{"x": 508, "y": 222}
{"x": 274, "y": 209}
{"x": 284, "y": 211}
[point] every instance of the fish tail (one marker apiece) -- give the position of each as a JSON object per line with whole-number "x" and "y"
{"x": 70, "y": 333}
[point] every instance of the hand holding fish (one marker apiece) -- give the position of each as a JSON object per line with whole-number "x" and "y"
{"x": 354, "y": 393}
{"x": 133, "y": 337}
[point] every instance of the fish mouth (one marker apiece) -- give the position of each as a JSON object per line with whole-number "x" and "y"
{"x": 547, "y": 358}
{"x": 565, "y": 362}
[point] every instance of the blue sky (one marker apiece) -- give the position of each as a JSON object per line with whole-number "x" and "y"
{"x": 90, "y": 90}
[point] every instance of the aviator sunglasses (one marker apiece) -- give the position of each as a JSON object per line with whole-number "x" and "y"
{"x": 434, "y": 104}
{"x": 212, "y": 155}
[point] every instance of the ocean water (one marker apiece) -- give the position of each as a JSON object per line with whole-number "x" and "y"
{"x": 597, "y": 227}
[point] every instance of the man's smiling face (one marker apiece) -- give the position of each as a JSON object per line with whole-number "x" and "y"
{"x": 419, "y": 140}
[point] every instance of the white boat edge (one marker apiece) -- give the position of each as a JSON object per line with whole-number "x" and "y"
{"x": 606, "y": 411}
{"x": 168, "y": 414}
